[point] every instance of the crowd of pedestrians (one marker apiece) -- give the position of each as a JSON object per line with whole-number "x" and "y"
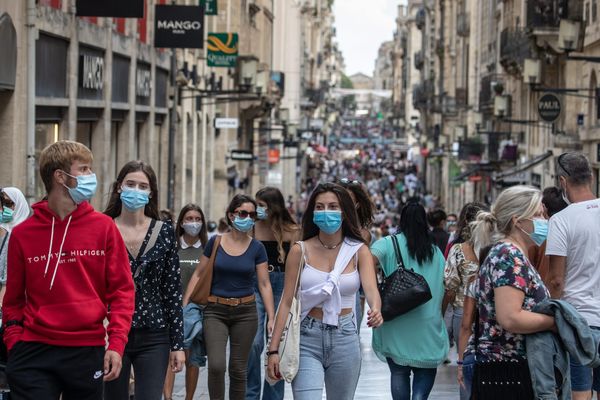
{"x": 105, "y": 305}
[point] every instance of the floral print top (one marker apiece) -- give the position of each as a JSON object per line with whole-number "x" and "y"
{"x": 157, "y": 279}
{"x": 458, "y": 271}
{"x": 505, "y": 265}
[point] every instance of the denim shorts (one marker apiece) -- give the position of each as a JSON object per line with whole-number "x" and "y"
{"x": 583, "y": 379}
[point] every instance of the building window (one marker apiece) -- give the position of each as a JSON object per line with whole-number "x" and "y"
{"x": 587, "y": 14}
{"x": 84, "y": 133}
{"x": 594, "y": 10}
{"x": 46, "y": 133}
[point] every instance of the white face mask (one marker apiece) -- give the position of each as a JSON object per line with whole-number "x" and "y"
{"x": 192, "y": 228}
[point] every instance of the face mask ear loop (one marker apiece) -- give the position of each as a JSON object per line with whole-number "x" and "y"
{"x": 49, "y": 248}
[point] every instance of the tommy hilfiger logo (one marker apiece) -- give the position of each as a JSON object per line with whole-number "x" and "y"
{"x": 67, "y": 254}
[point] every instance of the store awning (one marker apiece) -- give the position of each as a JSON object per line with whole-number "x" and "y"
{"x": 524, "y": 166}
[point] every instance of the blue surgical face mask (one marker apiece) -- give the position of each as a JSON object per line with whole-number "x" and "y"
{"x": 329, "y": 221}
{"x": 85, "y": 189}
{"x": 7, "y": 215}
{"x": 261, "y": 213}
{"x": 134, "y": 199}
{"x": 243, "y": 224}
{"x": 540, "y": 231}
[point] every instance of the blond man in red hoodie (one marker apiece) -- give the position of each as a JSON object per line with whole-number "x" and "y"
{"x": 68, "y": 270}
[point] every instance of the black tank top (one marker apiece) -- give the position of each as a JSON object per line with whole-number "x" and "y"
{"x": 273, "y": 255}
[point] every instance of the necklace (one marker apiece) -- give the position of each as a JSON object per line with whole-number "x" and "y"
{"x": 328, "y": 247}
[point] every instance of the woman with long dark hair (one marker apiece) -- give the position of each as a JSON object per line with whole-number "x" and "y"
{"x": 192, "y": 233}
{"x": 336, "y": 263}
{"x": 364, "y": 206}
{"x": 230, "y": 315}
{"x": 276, "y": 229}
{"x": 365, "y": 212}
{"x": 156, "y": 335}
{"x": 415, "y": 342}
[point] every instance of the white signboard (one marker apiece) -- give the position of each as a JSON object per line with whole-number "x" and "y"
{"x": 227, "y": 123}
{"x": 274, "y": 178}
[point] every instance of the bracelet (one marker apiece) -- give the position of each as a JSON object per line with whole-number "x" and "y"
{"x": 270, "y": 353}
{"x": 459, "y": 362}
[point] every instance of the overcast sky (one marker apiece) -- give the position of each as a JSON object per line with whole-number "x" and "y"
{"x": 361, "y": 27}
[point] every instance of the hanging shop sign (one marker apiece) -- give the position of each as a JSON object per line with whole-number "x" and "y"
{"x": 549, "y": 107}
{"x": 210, "y": 7}
{"x": 222, "y": 49}
{"x": 227, "y": 123}
{"x": 273, "y": 156}
{"x": 91, "y": 72}
{"x": 110, "y": 8}
{"x": 179, "y": 27}
{"x": 242, "y": 155}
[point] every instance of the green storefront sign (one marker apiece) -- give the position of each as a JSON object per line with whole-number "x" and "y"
{"x": 211, "y": 7}
{"x": 222, "y": 49}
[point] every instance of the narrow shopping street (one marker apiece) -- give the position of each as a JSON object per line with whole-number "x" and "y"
{"x": 374, "y": 378}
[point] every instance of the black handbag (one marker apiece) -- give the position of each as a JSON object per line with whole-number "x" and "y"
{"x": 500, "y": 379}
{"x": 403, "y": 290}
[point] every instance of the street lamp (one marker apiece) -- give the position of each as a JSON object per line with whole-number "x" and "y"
{"x": 532, "y": 71}
{"x": 247, "y": 70}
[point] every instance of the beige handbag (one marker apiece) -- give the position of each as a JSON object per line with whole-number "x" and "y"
{"x": 289, "y": 345}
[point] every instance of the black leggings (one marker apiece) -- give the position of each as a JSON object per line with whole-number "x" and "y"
{"x": 148, "y": 351}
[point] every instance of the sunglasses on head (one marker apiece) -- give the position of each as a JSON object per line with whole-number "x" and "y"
{"x": 245, "y": 214}
{"x": 562, "y": 165}
{"x": 346, "y": 181}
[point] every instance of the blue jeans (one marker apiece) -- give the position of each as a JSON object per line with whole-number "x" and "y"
{"x": 328, "y": 354}
{"x": 584, "y": 379}
{"x": 423, "y": 379}
{"x": 255, "y": 379}
{"x": 467, "y": 368}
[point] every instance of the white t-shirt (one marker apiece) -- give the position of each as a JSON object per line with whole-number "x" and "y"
{"x": 574, "y": 233}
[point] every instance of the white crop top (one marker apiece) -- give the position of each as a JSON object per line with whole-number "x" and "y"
{"x": 348, "y": 286}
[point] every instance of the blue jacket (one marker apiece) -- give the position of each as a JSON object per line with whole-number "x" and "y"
{"x": 548, "y": 353}
{"x": 193, "y": 334}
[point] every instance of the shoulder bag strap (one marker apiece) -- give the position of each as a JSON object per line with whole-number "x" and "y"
{"x": 153, "y": 236}
{"x": 213, "y": 253}
{"x": 4, "y": 242}
{"x": 399, "y": 261}
{"x": 300, "y": 268}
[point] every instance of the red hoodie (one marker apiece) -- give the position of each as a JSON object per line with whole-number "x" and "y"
{"x": 62, "y": 278}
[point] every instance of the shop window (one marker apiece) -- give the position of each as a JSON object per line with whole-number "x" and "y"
{"x": 138, "y": 140}
{"x": 84, "y": 133}
{"x": 46, "y": 133}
